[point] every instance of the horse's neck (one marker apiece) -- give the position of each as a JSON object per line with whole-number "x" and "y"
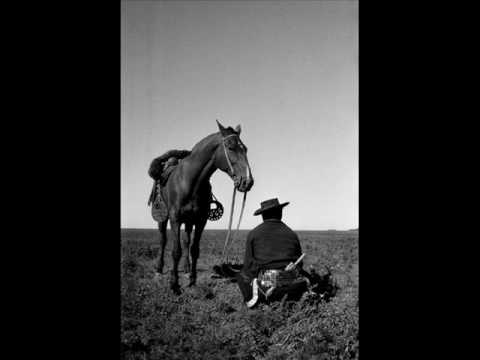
{"x": 204, "y": 178}
{"x": 200, "y": 164}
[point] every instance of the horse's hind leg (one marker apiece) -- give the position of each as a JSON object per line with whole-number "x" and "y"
{"x": 176, "y": 255}
{"x": 186, "y": 247}
{"x": 162, "y": 227}
{"x": 195, "y": 249}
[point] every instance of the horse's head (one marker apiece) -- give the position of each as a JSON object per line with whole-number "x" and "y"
{"x": 231, "y": 157}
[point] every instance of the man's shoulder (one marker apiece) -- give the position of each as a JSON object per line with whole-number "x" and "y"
{"x": 287, "y": 230}
{"x": 269, "y": 225}
{"x": 287, "y": 227}
{"x": 256, "y": 229}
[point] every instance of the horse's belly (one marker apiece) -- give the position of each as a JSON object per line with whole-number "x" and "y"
{"x": 192, "y": 211}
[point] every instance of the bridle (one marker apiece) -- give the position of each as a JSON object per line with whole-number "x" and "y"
{"x": 226, "y": 153}
{"x": 227, "y": 245}
{"x": 228, "y": 158}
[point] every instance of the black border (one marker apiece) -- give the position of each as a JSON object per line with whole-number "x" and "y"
{"x": 66, "y": 173}
{"x": 65, "y": 200}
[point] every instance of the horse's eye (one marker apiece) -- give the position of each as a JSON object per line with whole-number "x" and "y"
{"x": 242, "y": 147}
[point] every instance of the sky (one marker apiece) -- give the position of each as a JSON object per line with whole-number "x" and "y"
{"x": 286, "y": 71}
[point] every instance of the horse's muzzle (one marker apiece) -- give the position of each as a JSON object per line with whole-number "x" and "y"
{"x": 243, "y": 184}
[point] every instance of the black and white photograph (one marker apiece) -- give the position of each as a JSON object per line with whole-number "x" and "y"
{"x": 239, "y": 193}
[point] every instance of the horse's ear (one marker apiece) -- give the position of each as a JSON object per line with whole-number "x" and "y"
{"x": 221, "y": 128}
{"x": 238, "y": 129}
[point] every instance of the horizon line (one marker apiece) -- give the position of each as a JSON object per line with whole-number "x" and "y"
{"x": 135, "y": 228}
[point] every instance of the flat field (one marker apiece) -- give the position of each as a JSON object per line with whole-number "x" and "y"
{"x": 209, "y": 321}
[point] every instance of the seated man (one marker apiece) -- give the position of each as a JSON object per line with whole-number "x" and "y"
{"x": 270, "y": 248}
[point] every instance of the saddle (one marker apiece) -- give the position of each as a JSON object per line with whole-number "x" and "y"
{"x": 166, "y": 174}
{"x": 157, "y": 166}
{"x": 160, "y": 170}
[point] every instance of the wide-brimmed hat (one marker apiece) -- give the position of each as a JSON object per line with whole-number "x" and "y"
{"x": 269, "y": 205}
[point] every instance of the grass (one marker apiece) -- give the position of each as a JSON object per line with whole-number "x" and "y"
{"x": 209, "y": 321}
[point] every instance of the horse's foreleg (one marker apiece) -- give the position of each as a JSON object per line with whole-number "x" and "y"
{"x": 195, "y": 250}
{"x": 186, "y": 247}
{"x": 176, "y": 255}
{"x": 162, "y": 226}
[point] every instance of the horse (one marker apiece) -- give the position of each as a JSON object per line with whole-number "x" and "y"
{"x": 187, "y": 194}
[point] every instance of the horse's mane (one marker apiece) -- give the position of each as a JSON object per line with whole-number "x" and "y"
{"x": 156, "y": 167}
{"x": 202, "y": 143}
{"x": 206, "y": 140}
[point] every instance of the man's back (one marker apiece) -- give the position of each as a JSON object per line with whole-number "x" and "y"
{"x": 271, "y": 245}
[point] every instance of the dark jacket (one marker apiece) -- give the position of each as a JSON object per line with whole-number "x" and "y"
{"x": 271, "y": 245}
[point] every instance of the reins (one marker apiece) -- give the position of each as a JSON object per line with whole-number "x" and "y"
{"x": 227, "y": 239}
{"x": 226, "y": 154}
{"x": 229, "y": 223}
{"x": 227, "y": 244}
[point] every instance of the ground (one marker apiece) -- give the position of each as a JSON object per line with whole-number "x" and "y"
{"x": 209, "y": 321}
